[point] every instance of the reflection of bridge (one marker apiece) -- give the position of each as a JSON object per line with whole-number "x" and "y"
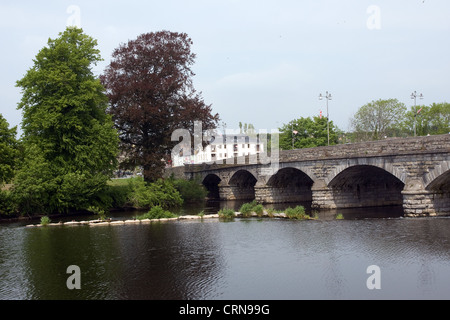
{"x": 413, "y": 172}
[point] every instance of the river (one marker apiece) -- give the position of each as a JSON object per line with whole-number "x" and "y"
{"x": 246, "y": 258}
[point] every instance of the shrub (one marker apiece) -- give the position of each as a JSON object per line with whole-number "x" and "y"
{"x": 43, "y": 187}
{"x": 8, "y": 205}
{"x": 119, "y": 195}
{"x": 247, "y": 208}
{"x": 98, "y": 211}
{"x": 226, "y": 213}
{"x": 258, "y": 209}
{"x": 111, "y": 196}
{"x": 339, "y": 216}
{"x": 160, "y": 193}
{"x": 296, "y": 213}
{"x": 190, "y": 190}
{"x": 156, "y": 212}
{"x": 45, "y": 220}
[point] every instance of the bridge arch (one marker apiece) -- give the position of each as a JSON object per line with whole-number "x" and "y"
{"x": 440, "y": 183}
{"x": 211, "y": 182}
{"x": 440, "y": 193}
{"x": 380, "y": 163}
{"x": 289, "y": 184}
{"x": 242, "y": 185}
{"x": 366, "y": 186}
{"x": 437, "y": 176}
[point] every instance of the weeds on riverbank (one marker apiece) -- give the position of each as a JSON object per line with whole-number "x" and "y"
{"x": 297, "y": 212}
{"x": 252, "y": 207}
{"x": 45, "y": 220}
{"x": 156, "y": 212}
{"x": 226, "y": 213}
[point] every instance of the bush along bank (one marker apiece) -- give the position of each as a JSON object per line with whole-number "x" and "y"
{"x": 118, "y": 194}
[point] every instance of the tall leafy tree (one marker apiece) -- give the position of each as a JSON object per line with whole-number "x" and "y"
{"x": 377, "y": 119}
{"x": 70, "y": 142}
{"x": 149, "y": 84}
{"x": 307, "y": 133}
{"x": 8, "y": 151}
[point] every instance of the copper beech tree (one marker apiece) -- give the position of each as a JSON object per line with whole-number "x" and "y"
{"x": 151, "y": 93}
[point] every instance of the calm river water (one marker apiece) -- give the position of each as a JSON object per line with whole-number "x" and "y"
{"x": 254, "y": 258}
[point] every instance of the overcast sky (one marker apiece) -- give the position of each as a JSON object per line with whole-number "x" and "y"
{"x": 259, "y": 62}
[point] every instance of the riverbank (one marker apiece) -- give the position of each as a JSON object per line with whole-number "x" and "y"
{"x": 130, "y": 194}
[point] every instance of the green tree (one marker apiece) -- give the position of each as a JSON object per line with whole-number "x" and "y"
{"x": 8, "y": 151}
{"x": 433, "y": 119}
{"x": 307, "y": 133}
{"x": 69, "y": 140}
{"x": 378, "y": 119}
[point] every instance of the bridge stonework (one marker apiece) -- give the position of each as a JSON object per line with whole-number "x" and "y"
{"x": 411, "y": 172}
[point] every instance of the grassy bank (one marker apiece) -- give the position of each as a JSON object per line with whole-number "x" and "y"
{"x": 118, "y": 194}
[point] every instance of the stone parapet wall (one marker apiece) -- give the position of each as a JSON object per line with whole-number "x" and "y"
{"x": 386, "y": 147}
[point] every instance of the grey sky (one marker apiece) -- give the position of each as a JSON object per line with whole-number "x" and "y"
{"x": 260, "y": 62}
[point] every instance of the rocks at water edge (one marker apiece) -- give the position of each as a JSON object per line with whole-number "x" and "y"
{"x": 123, "y": 222}
{"x": 99, "y": 222}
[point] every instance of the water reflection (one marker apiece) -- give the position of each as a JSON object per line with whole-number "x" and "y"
{"x": 255, "y": 258}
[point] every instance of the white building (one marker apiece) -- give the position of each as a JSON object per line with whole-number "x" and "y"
{"x": 222, "y": 147}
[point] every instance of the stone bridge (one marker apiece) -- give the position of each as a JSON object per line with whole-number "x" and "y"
{"x": 412, "y": 172}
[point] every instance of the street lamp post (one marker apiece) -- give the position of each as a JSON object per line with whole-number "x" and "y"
{"x": 328, "y": 97}
{"x": 414, "y": 95}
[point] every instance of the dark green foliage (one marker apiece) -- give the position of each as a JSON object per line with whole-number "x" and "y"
{"x": 8, "y": 151}
{"x": 190, "y": 190}
{"x": 160, "y": 193}
{"x": 112, "y": 196}
{"x": 8, "y": 205}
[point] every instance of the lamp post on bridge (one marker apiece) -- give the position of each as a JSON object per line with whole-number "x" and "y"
{"x": 414, "y": 96}
{"x": 328, "y": 97}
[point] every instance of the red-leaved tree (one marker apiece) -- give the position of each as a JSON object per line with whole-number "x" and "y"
{"x": 150, "y": 90}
